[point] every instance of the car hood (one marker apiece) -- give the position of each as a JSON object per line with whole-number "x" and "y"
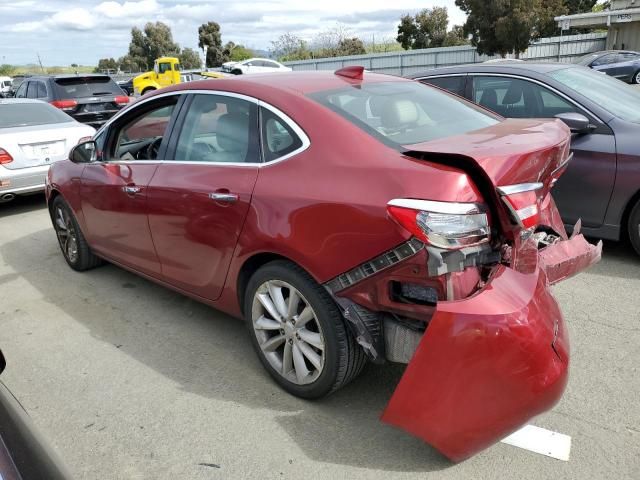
{"x": 511, "y": 152}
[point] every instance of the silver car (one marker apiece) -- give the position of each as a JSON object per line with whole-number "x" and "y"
{"x": 33, "y": 135}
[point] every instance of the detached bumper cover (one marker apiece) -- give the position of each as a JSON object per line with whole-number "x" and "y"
{"x": 489, "y": 363}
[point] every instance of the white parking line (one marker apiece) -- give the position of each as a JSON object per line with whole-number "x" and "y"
{"x": 542, "y": 441}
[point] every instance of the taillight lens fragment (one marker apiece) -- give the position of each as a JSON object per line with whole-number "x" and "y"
{"x": 442, "y": 224}
{"x": 523, "y": 201}
{"x": 65, "y": 105}
{"x": 121, "y": 100}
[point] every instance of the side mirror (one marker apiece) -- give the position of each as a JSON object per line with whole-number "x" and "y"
{"x": 85, "y": 152}
{"x": 576, "y": 122}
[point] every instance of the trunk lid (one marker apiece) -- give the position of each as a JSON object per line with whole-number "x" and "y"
{"x": 41, "y": 145}
{"x": 511, "y": 152}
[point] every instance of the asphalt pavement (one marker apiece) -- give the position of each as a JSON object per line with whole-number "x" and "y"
{"x": 129, "y": 380}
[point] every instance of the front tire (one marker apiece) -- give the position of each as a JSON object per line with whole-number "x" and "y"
{"x": 298, "y": 332}
{"x": 74, "y": 246}
{"x": 633, "y": 227}
{"x": 636, "y": 78}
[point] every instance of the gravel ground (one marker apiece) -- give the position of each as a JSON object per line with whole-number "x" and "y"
{"x": 129, "y": 380}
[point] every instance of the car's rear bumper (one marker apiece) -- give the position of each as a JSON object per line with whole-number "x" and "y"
{"x": 24, "y": 180}
{"x": 488, "y": 363}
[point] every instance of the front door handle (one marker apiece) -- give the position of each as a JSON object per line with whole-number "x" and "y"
{"x": 131, "y": 189}
{"x": 224, "y": 197}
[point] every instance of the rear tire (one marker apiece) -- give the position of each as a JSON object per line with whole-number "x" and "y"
{"x": 73, "y": 245}
{"x": 322, "y": 354}
{"x": 633, "y": 227}
{"x": 236, "y": 71}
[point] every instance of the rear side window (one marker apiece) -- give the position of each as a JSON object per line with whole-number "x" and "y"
{"x": 453, "y": 84}
{"x": 42, "y": 90}
{"x": 81, "y": 87}
{"x": 404, "y": 112}
{"x": 32, "y": 90}
{"x": 278, "y": 138}
{"x": 219, "y": 129}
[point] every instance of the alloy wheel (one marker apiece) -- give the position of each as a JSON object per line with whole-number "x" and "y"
{"x": 66, "y": 234}
{"x": 288, "y": 332}
{"x": 637, "y": 79}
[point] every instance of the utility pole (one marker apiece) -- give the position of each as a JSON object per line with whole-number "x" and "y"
{"x": 40, "y": 62}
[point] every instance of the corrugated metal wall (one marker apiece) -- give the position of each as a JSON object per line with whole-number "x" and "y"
{"x": 563, "y": 49}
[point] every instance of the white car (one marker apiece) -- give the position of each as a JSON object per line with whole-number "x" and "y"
{"x": 5, "y": 86}
{"x": 33, "y": 135}
{"x": 254, "y": 65}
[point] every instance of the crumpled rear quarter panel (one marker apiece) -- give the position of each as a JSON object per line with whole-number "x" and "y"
{"x": 484, "y": 366}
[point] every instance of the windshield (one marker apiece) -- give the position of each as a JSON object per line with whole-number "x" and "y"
{"x": 405, "y": 113}
{"x": 81, "y": 87}
{"x": 620, "y": 99}
{"x": 27, "y": 114}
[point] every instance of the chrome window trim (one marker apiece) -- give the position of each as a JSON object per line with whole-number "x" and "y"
{"x": 442, "y": 75}
{"x": 521, "y": 77}
{"x": 520, "y": 187}
{"x": 306, "y": 142}
{"x": 452, "y": 208}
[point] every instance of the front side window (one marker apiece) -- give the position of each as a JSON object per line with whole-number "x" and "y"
{"x": 605, "y": 60}
{"x": 140, "y": 138}
{"x": 219, "y": 129}
{"x": 453, "y": 84}
{"x": 404, "y": 112}
{"x": 164, "y": 67}
{"x": 278, "y": 138}
{"x": 22, "y": 90}
{"x": 618, "y": 98}
{"x": 518, "y": 98}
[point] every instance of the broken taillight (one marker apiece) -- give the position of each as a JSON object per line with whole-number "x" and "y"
{"x": 445, "y": 225}
{"x": 523, "y": 201}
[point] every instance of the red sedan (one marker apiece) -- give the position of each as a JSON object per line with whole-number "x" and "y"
{"x": 347, "y": 217}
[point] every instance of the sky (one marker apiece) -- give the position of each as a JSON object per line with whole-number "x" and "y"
{"x": 83, "y": 31}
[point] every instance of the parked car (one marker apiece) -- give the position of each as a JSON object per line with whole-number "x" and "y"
{"x": 602, "y": 183}
{"x": 90, "y": 99}
{"x": 5, "y": 86}
{"x": 346, "y": 216}
{"x": 23, "y": 453}
{"x": 621, "y": 64}
{"x": 33, "y": 136}
{"x": 254, "y": 65}
{"x": 126, "y": 86}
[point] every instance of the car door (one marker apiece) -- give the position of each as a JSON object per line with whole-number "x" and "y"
{"x": 165, "y": 75}
{"x": 605, "y": 63}
{"x": 584, "y": 190}
{"x": 199, "y": 199}
{"x": 114, "y": 189}
{"x": 626, "y": 66}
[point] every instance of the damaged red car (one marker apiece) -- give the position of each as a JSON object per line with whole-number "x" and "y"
{"x": 347, "y": 217}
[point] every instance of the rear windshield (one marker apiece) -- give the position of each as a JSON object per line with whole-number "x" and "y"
{"x": 27, "y": 114}
{"x": 404, "y": 113}
{"x": 86, "y": 87}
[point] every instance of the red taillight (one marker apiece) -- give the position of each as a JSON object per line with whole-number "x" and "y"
{"x": 447, "y": 225}
{"x": 5, "y": 157}
{"x": 121, "y": 100}
{"x": 65, "y": 104}
{"x": 523, "y": 201}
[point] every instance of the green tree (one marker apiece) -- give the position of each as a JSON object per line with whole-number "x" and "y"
{"x": 427, "y": 29}
{"x": 350, "y": 46}
{"x": 237, "y": 53}
{"x": 288, "y": 47}
{"x": 106, "y": 64}
{"x": 210, "y": 41}
{"x": 506, "y": 26}
{"x": 455, "y": 37}
{"x": 156, "y": 40}
{"x": 579, "y": 6}
{"x": 190, "y": 59}
{"x": 6, "y": 69}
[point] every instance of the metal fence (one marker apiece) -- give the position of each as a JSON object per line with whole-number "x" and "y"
{"x": 554, "y": 49}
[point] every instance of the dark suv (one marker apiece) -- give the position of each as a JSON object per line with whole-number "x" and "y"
{"x": 90, "y": 99}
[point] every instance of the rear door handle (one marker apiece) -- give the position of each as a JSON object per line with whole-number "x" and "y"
{"x": 224, "y": 197}
{"x": 131, "y": 189}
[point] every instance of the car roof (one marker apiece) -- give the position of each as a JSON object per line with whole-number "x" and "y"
{"x": 501, "y": 67}
{"x": 300, "y": 82}
{"x": 63, "y": 76}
